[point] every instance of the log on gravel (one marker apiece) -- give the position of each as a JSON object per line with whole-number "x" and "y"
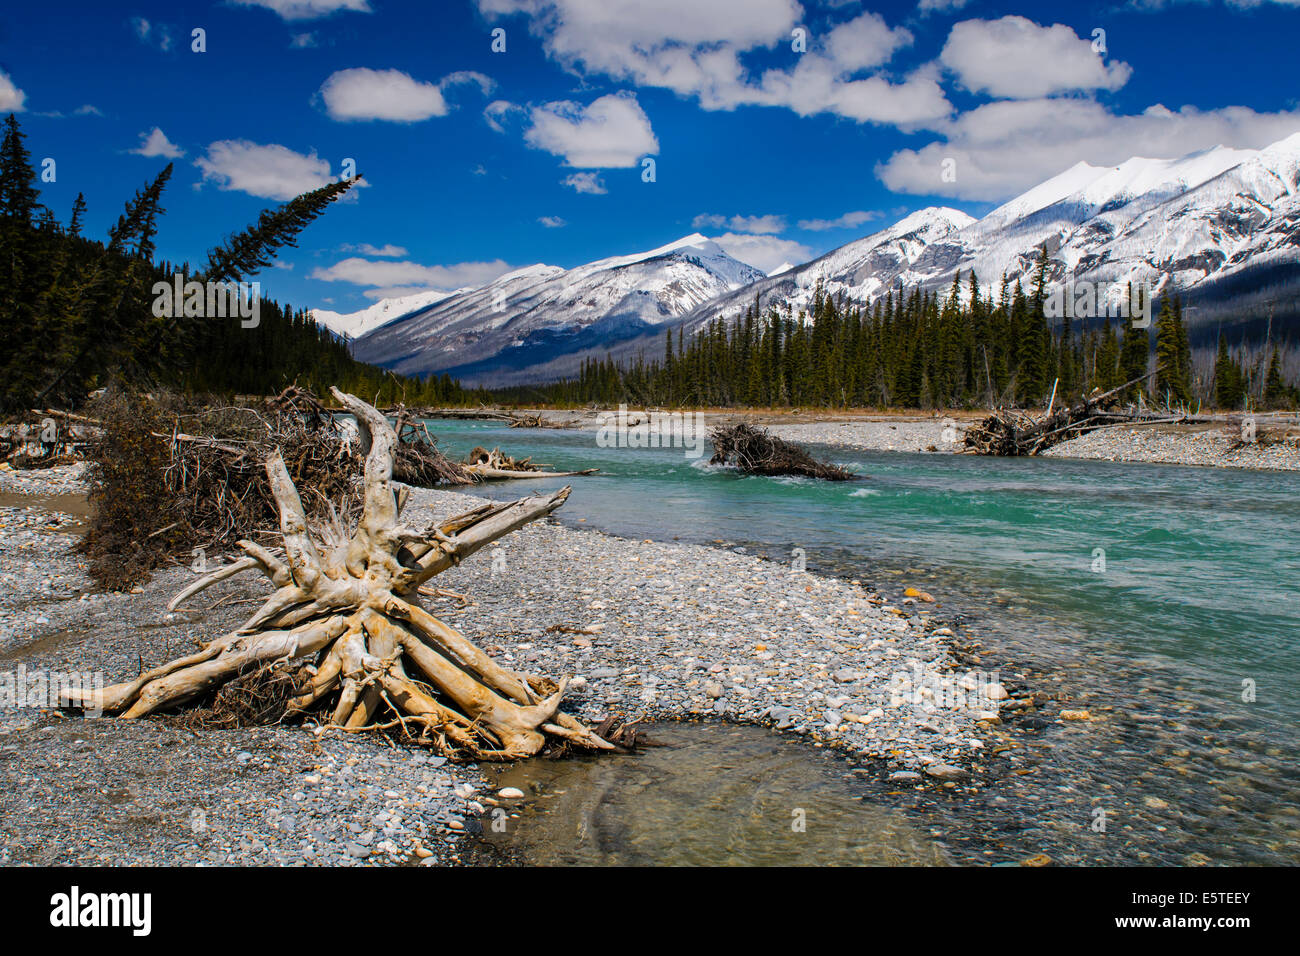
{"x": 346, "y": 623}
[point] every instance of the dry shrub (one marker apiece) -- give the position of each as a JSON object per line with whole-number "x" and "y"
{"x": 135, "y": 524}
{"x": 255, "y": 698}
{"x": 172, "y": 474}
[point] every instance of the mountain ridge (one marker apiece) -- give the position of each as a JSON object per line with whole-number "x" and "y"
{"x": 1219, "y": 226}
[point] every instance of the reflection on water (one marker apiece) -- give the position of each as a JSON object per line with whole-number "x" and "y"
{"x": 713, "y": 795}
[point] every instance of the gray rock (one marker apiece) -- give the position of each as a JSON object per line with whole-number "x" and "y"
{"x": 905, "y": 776}
{"x": 943, "y": 771}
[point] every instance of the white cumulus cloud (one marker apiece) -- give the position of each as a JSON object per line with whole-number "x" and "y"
{"x": 306, "y": 9}
{"x": 763, "y": 225}
{"x": 849, "y": 220}
{"x": 11, "y": 98}
{"x": 389, "y": 278}
{"x": 388, "y": 250}
{"x": 1015, "y": 57}
{"x": 762, "y": 252}
{"x": 363, "y": 94}
{"x": 271, "y": 171}
{"x": 612, "y": 131}
{"x": 589, "y": 183}
{"x": 1002, "y": 148}
{"x": 940, "y": 6}
{"x": 156, "y": 143}
{"x": 695, "y": 49}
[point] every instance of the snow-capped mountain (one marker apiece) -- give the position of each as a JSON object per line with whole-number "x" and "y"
{"x": 1217, "y": 224}
{"x": 512, "y": 327}
{"x": 1220, "y": 227}
{"x": 356, "y": 324}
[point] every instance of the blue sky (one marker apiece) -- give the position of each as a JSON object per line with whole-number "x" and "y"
{"x": 478, "y": 161}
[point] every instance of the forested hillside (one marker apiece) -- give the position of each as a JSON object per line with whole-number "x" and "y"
{"x": 913, "y": 349}
{"x": 77, "y": 313}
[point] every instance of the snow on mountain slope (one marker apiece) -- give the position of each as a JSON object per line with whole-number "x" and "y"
{"x": 526, "y": 316}
{"x": 1217, "y": 224}
{"x": 860, "y": 269}
{"x": 356, "y": 324}
{"x": 1221, "y": 227}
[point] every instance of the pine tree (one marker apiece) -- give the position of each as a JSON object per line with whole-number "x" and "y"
{"x": 18, "y": 192}
{"x": 1172, "y": 379}
{"x": 1228, "y": 385}
{"x": 78, "y": 215}
{"x": 1276, "y": 394}
{"x": 252, "y": 250}
{"x": 1134, "y": 349}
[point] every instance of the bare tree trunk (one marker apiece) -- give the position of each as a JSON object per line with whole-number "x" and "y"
{"x": 347, "y": 608}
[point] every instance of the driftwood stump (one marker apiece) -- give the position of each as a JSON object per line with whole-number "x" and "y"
{"x": 347, "y": 608}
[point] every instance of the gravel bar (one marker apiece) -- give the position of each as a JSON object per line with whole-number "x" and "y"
{"x": 661, "y": 630}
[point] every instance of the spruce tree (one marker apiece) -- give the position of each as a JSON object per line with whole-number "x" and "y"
{"x": 1171, "y": 378}
{"x": 1276, "y": 394}
{"x": 1227, "y": 378}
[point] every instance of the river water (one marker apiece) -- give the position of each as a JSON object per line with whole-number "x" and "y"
{"x": 1165, "y": 600}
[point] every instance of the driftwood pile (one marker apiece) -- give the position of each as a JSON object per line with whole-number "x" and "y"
{"x": 220, "y": 472}
{"x": 496, "y": 465}
{"x": 344, "y": 639}
{"x": 757, "y": 452}
{"x": 47, "y": 437}
{"x": 1012, "y": 433}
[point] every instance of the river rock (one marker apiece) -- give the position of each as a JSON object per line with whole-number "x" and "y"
{"x": 944, "y": 771}
{"x": 905, "y": 776}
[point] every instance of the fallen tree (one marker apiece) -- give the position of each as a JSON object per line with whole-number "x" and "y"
{"x": 1012, "y": 433}
{"x": 756, "y": 451}
{"x": 496, "y": 465}
{"x": 346, "y": 618}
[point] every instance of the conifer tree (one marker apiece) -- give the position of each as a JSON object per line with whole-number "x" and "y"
{"x": 1228, "y": 385}
{"x": 1172, "y": 379}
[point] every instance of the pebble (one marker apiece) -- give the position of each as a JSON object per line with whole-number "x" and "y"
{"x": 680, "y": 627}
{"x": 943, "y": 771}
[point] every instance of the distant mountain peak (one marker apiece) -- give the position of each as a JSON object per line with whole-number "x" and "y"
{"x": 1214, "y": 226}
{"x": 530, "y": 314}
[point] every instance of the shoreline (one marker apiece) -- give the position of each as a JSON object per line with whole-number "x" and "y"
{"x": 666, "y": 630}
{"x": 1211, "y": 445}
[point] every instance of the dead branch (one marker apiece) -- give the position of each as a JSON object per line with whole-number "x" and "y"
{"x": 344, "y": 635}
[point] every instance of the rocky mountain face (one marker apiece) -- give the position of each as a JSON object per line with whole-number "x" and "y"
{"x": 1220, "y": 227}
{"x": 527, "y": 319}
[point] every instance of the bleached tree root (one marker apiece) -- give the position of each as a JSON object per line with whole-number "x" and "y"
{"x": 347, "y": 612}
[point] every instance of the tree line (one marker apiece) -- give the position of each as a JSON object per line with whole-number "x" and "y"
{"x": 78, "y": 313}
{"x": 914, "y": 349}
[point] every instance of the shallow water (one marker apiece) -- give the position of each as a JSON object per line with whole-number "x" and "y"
{"x": 68, "y": 503}
{"x": 712, "y": 795}
{"x": 1163, "y": 599}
